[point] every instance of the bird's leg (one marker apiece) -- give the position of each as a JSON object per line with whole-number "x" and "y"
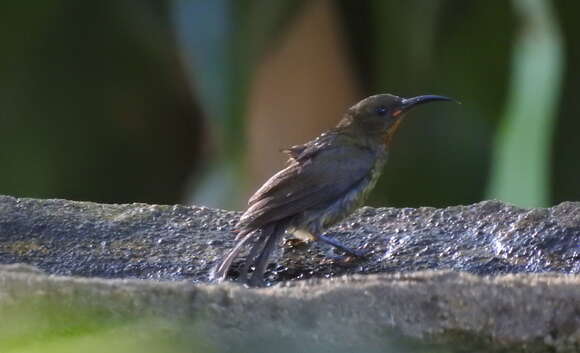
{"x": 339, "y": 245}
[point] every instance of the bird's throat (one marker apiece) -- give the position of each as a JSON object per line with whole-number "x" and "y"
{"x": 388, "y": 137}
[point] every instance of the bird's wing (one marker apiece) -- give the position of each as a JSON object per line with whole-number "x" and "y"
{"x": 301, "y": 155}
{"x": 324, "y": 175}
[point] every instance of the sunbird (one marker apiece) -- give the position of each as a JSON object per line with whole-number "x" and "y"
{"x": 324, "y": 181}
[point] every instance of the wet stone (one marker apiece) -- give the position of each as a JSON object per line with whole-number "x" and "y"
{"x": 492, "y": 277}
{"x": 148, "y": 241}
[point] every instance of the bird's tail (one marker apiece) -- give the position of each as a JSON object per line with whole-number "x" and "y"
{"x": 220, "y": 272}
{"x": 267, "y": 238}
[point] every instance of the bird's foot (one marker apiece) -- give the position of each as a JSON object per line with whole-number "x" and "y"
{"x": 339, "y": 245}
{"x": 296, "y": 243}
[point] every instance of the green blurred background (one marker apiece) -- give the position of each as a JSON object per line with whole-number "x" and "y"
{"x": 191, "y": 101}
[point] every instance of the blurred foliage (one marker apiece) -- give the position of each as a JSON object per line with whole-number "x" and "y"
{"x": 48, "y": 326}
{"x": 120, "y": 101}
{"x": 220, "y": 64}
{"x": 92, "y": 106}
{"x": 523, "y": 147}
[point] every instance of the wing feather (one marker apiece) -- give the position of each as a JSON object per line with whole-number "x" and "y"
{"x": 321, "y": 176}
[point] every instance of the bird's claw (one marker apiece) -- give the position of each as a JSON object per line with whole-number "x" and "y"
{"x": 296, "y": 243}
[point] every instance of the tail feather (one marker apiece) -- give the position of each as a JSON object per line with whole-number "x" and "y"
{"x": 262, "y": 261}
{"x": 254, "y": 252}
{"x": 220, "y": 273}
{"x": 258, "y": 255}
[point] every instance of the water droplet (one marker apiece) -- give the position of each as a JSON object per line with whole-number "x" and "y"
{"x": 215, "y": 242}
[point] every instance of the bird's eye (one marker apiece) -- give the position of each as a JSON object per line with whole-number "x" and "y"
{"x": 381, "y": 110}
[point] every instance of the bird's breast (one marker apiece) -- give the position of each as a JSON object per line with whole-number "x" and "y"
{"x": 316, "y": 220}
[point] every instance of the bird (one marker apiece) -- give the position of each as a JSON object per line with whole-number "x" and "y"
{"x": 323, "y": 182}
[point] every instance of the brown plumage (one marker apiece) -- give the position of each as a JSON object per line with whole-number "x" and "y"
{"x": 324, "y": 181}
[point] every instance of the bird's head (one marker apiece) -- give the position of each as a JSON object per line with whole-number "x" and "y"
{"x": 381, "y": 114}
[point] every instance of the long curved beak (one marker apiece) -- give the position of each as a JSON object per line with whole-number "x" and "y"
{"x": 408, "y": 103}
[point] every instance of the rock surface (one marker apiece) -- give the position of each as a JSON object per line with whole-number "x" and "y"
{"x": 182, "y": 242}
{"x": 457, "y": 311}
{"x": 528, "y": 300}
